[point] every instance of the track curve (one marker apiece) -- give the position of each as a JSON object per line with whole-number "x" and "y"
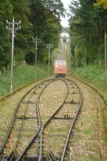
{"x": 63, "y": 118}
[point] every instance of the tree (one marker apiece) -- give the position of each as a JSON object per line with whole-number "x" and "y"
{"x": 87, "y": 27}
{"x": 46, "y": 24}
{"x": 21, "y": 11}
{"x": 55, "y": 6}
{"x": 39, "y": 18}
{"x": 5, "y": 12}
{"x": 101, "y": 3}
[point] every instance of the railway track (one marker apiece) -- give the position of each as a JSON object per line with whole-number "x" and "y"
{"x": 45, "y": 140}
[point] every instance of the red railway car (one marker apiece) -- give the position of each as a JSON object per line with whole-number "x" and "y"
{"x": 60, "y": 67}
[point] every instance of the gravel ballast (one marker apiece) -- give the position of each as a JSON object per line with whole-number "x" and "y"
{"x": 87, "y": 142}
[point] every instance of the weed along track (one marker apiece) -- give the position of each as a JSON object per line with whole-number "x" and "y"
{"x": 42, "y": 123}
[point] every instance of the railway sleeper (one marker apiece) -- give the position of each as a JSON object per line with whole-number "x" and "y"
{"x": 33, "y": 158}
{"x": 72, "y": 86}
{"x": 66, "y": 117}
{"x": 73, "y": 92}
{"x": 35, "y": 92}
{"x": 53, "y": 134}
{"x": 49, "y": 137}
{"x": 71, "y": 102}
{"x": 26, "y": 118}
{"x": 29, "y": 101}
{"x": 52, "y": 157}
{"x": 6, "y": 158}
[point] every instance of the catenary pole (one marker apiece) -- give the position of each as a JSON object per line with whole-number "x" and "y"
{"x": 36, "y": 41}
{"x": 85, "y": 59}
{"x": 49, "y": 46}
{"x": 105, "y": 37}
{"x": 36, "y": 50}
{"x": 13, "y": 27}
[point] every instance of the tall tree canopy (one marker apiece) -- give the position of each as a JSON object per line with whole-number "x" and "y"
{"x": 87, "y": 27}
{"x": 100, "y": 3}
{"x": 39, "y": 18}
{"x": 5, "y": 9}
{"x": 45, "y": 16}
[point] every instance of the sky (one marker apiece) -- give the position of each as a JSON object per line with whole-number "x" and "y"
{"x": 64, "y": 21}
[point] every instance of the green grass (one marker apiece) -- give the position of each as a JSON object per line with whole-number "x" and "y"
{"x": 88, "y": 132}
{"x": 88, "y": 159}
{"x": 23, "y": 75}
{"x": 94, "y": 75}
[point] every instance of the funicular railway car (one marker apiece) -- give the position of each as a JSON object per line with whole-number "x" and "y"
{"x": 60, "y": 67}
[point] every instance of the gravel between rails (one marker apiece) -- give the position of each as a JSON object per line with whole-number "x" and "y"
{"x": 7, "y": 108}
{"x": 87, "y": 143}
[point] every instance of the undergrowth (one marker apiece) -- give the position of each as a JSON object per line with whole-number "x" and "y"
{"x": 93, "y": 74}
{"x": 22, "y": 75}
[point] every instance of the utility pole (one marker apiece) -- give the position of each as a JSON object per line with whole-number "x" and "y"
{"x": 36, "y": 41}
{"x": 13, "y": 27}
{"x": 76, "y": 56}
{"x": 77, "y": 64}
{"x": 49, "y": 46}
{"x": 85, "y": 58}
{"x": 64, "y": 48}
{"x": 105, "y": 37}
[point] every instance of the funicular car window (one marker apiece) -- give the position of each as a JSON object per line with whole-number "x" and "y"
{"x": 60, "y": 62}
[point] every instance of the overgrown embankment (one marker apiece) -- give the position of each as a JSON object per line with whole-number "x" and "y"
{"x": 93, "y": 74}
{"x": 22, "y": 75}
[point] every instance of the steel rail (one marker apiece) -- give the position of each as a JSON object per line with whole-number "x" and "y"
{"x": 18, "y": 136}
{"x": 12, "y": 122}
{"x": 14, "y": 117}
{"x": 39, "y": 123}
{"x": 48, "y": 121}
{"x": 41, "y": 128}
{"x": 73, "y": 123}
{"x": 30, "y": 143}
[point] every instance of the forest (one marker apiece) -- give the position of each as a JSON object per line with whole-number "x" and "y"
{"x": 39, "y": 18}
{"x": 88, "y": 26}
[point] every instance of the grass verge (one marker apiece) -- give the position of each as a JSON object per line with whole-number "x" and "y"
{"x": 94, "y": 75}
{"x": 22, "y": 75}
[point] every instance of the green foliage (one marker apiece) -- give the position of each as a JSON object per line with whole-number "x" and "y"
{"x": 5, "y": 9}
{"x": 19, "y": 54}
{"x": 22, "y": 75}
{"x": 87, "y": 28}
{"x": 88, "y": 159}
{"x": 88, "y": 132}
{"x": 39, "y": 18}
{"x": 30, "y": 58}
{"x": 100, "y": 3}
{"x": 94, "y": 73}
{"x": 46, "y": 24}
{"x": 21, "y": 11}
